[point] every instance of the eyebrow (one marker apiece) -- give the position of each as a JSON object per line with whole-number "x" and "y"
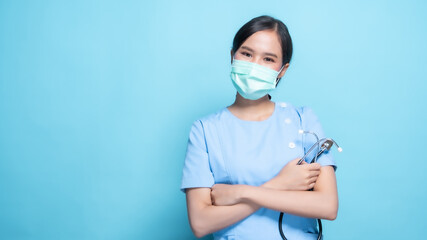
{"x": 267, "y": 53}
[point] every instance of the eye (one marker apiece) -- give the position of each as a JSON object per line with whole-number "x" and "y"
{"x": 267, "y": 59}
{"x": 246, "y": 54}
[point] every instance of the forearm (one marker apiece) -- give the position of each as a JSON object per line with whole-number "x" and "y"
{"x": 212, "y": 218}
{"x": 312, "y": 204}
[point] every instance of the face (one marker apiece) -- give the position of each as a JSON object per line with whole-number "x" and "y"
{"x": 263, "y": 48}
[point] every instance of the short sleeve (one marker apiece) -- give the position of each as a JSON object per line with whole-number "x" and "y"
{"x": 310, "y": 122}
{"x": 197, "y": 171}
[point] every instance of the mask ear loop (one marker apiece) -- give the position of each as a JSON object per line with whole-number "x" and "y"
{"x": 278, "y": 79}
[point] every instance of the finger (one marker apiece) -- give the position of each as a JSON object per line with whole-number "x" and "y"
{"x": 312, "y": 180}
{"x": 313, "y": 174}
{"x": 314, "y": 166}
{"x": 307, "y": 166}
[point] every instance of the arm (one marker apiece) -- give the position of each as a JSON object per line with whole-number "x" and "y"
{"x": 206, "y": 217}
{"x": 322, "y": 202}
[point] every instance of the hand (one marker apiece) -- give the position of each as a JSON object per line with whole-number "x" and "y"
{"x": 225, "y": 194}
{"x": 295, "y": 177}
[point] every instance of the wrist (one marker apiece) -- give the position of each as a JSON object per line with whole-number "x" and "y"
{"x": 269, "y": 184}
{"x": 241, "y": 192}
{"x": 246, "y": 193}
{"x": 275, "y": 184}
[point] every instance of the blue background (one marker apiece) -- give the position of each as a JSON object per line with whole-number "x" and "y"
{"x": 97, "y": 99}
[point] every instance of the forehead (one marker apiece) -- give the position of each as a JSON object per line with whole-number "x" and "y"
{"x": 264, "y": 41}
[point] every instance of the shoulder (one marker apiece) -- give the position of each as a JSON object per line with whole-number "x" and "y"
{"x": 210, "y": 119}
{"x": 213, "y": 118}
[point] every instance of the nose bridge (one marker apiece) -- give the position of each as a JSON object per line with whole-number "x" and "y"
{"x": 257, "y": 59}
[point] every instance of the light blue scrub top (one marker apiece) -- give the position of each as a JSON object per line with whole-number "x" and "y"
{"x": 225, "y": 149}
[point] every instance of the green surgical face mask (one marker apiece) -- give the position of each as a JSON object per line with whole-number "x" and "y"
{"x": 252, "y": 80}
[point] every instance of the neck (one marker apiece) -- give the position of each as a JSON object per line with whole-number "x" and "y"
{"x": 252, "y": 110}
{"x": 242, "y": 102}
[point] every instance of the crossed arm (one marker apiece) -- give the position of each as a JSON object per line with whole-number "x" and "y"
{"x": 210, "y": 210}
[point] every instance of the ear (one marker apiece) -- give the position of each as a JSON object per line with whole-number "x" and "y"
{"x": 231, "y": 54}
{"x": 283, "y": 71}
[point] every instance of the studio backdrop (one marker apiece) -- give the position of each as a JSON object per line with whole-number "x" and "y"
{"x": 97, "y": 99}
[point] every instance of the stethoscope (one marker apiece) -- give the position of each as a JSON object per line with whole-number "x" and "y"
{"x": 323, "y": 145}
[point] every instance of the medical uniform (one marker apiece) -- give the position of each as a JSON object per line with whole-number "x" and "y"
{"x": 225, "y": 149}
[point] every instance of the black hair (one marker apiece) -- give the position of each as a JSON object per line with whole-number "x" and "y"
{"x": 265, "y": 23}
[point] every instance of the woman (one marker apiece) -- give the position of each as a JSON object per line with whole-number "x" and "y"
{"x": 241, "y": 167}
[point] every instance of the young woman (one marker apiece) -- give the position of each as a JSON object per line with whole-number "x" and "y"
{"x": 241, "y": 167}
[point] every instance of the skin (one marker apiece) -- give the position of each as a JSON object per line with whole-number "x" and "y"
{"x": 212, "y": 209}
